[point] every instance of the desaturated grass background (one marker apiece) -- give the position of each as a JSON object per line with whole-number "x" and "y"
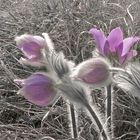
{"x": 67, "y": 22}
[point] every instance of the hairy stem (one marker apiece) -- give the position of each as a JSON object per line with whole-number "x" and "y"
{"x": 109, "y": 107}
{"x": 73, "y": 122}
{"x": 98, "y": 122}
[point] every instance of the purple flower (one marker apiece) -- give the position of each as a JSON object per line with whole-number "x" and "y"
{"x": 114, "y": 44}
{"x": 38, "y": 89}
{"x": 94, "y": 71}
{"x": 32, "y": 47}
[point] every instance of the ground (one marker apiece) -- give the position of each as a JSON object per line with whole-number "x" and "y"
{"x": 67, "y": 22}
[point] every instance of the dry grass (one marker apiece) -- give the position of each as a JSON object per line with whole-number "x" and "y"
{"x": 67, "y": 22}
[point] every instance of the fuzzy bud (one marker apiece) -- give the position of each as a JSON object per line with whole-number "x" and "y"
{"x": 94, "y": 71}
{"x": 38, "y": 89}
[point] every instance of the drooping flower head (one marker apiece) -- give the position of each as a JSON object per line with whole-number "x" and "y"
{"x": 32, "y": 47}
{"x": 114, "y": 44}
{"x": 94, "y": 71}
{"x": 38, "y": 89}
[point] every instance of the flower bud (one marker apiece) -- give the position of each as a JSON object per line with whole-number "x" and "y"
{"x": 94, "y": 71}
{"x": 38, "y": 89}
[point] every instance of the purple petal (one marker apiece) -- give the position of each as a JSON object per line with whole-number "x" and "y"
{"x": 38, "y": 89}
{"x": 94, "y": 71}
{"x": 96, "y": 76}
{"x": 38, "y": 78}
{"x": 128, "y": 57}
{"x": 31, "y": 46}
{"x": 115, "y": 38}
{"x": 99, "y": 37}
{"x": 31, "y": 50}
{"x": 106, "y": 48}
{"x": 119, "y": 50}
{"x": 31, "y": 62}
{"x": 128, "y": 44}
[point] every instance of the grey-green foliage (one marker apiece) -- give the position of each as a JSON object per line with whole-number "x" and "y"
{"x": 130, "y": 83}
{"x": 60, "y": 65}
{"x": 74, "y": 91}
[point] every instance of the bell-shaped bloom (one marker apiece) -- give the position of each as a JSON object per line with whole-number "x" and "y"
{"x": 32, "y": 47}
{"x": 114, "y": 44}
{"x": 38, "y": 89}
{"x": 94, "y": 71}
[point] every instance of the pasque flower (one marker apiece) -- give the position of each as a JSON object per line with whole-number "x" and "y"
{"x": 38, "y": 89}
{"x": 32, "y": 47}
{"x": 94, "y": 71}
{"x": 114, "y": 44}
